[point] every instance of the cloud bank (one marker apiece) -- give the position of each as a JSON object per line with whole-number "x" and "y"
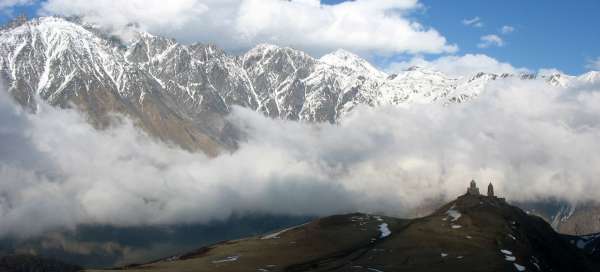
{"x": 532, "y": 140}
{"x": 459, "y": 66}
{"x": 379, "y": 27}
{"x": 593, "y": 64}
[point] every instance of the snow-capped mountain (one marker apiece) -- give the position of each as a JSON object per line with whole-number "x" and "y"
{"x": 580, "y": 219}
{"x": 181, "y": 93}
{"x": 575, "y": 219}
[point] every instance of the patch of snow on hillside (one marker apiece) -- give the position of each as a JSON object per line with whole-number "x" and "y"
{"x": 227, "y": 259}
{"x": 454, "y": 214}
{"x": 277, "y": 234}
{"x": 519, "y": 267}
{"x": 385, "y": 231}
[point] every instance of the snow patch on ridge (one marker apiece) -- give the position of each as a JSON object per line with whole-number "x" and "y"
{"x": 453, "y": 214}
{"x": 385, "y": 231}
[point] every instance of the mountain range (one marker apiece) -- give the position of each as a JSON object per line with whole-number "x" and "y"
{"x": 181, "y": 93}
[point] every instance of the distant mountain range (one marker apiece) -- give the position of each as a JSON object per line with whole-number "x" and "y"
{"x": 574, "y": 219}
{"x": 181, "y": 93}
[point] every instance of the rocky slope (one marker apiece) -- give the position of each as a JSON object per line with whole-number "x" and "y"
{"x": 472, "y": 233}
{"x": 572, "y": 219}
{"x": 181, "y": 93}
{"x": 590, "y": 244}
{"x": 582, "y": 219}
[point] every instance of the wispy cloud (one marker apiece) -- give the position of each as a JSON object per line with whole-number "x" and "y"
{"x": 507, "y": 29}
{"x": 490, "y": 40}
{"x": 593, "y": 64}
{"x": 460, "y": 66}
{"x": 474, "y": 22}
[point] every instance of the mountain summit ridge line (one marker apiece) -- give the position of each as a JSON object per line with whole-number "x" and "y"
{"x": 182, "y": 93}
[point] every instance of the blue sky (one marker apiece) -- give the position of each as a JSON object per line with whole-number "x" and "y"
{"x": 547, "y": 34}
{"x": 561, "y": 34}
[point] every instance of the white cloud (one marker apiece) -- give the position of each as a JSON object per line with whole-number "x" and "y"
{"x": 11, "y": 3}
{"x": 593, "y": 64}
{"x": 507, "y": 29}
{"x": 458, "y": 66}
{"x": 490, "y": 40}
{"x": 57, "y": 171}
{"x": 152, "y": 14}
{"x": 474, "y": 22}
{"x": 6, "y": 6}
{"x": 381, "y": 27}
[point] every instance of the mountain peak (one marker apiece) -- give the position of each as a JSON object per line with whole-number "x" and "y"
{"x": 343, "y": 54}
{"x": 414, "y": 68}
{"x": 50, "y": 19}
{"x": 347, "y": 60}
{"x": 48, "y": 23}
{"x": 268, "y": 47}
{"x": 590, "y": 77}
{"x": 265, "y": 47}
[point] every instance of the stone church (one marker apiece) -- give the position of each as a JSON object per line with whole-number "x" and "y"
{"x": 474, "y": 190}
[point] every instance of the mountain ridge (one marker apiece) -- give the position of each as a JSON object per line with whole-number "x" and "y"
{"x": 182, "y": 93}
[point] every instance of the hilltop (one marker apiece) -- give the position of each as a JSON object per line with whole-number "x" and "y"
{"x": 472, "y": 233}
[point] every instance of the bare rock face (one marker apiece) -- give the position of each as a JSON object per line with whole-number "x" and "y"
{"x": 67, "y": 65}
{"x": 571, "y": 219}
{"x": 583, "y": 219}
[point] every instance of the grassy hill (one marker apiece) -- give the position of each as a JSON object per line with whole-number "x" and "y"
{"x": 472, "y": 233}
